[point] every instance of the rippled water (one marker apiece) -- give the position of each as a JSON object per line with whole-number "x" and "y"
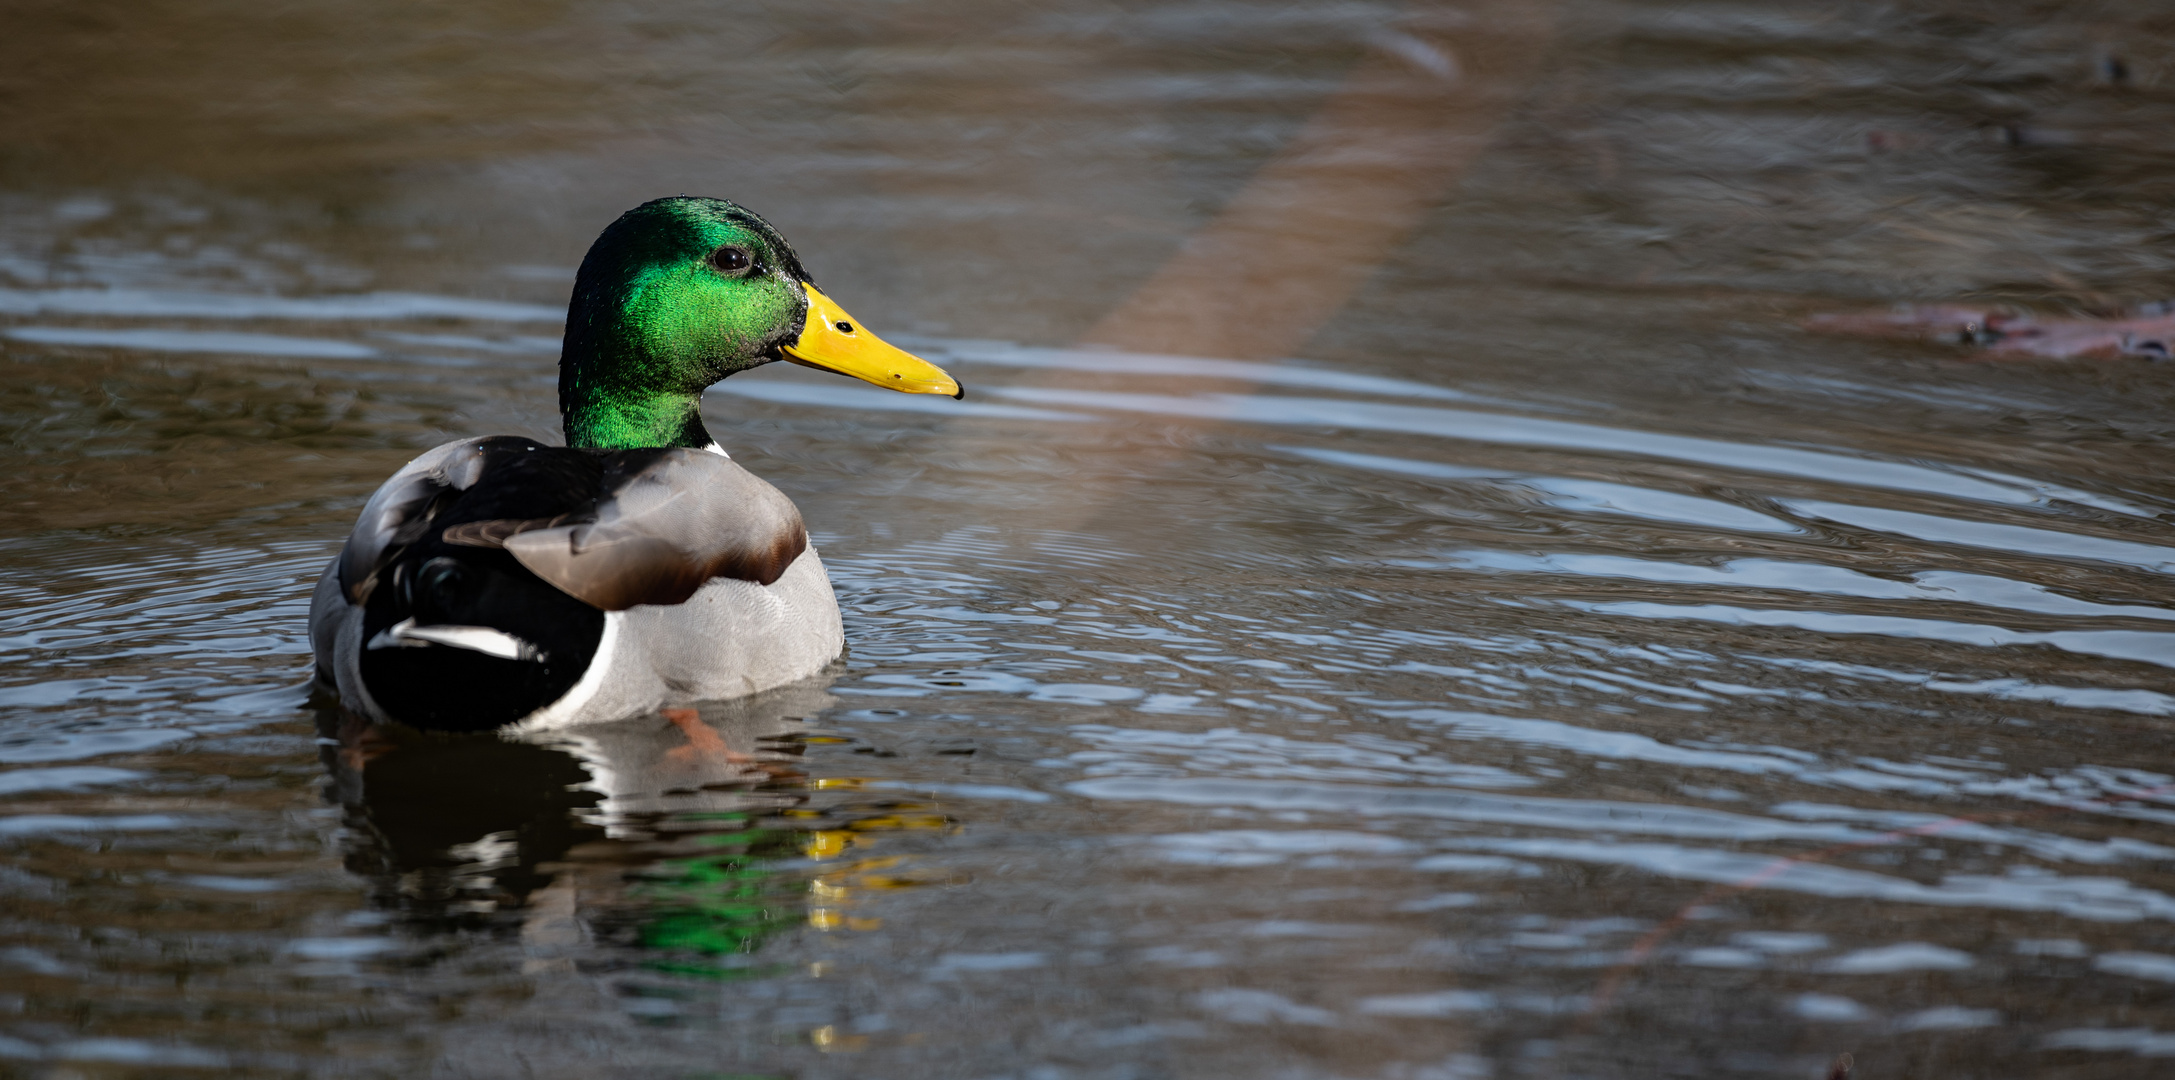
{"x": 1549, "y": 660}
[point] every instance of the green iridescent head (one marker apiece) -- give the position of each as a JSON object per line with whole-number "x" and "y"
{"x": 675, "y": 295}
{"x": 681, "y": 292}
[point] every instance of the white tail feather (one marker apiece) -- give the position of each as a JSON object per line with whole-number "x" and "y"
{"x": 405, "y": 634}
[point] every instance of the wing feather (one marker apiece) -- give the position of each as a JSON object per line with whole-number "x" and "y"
{"x": 401, "y": 510}
{"x": 669, "y": 524}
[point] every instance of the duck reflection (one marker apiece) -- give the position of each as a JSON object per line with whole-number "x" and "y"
{"x": 672, "y": 831}
{"x": 450, "y": 832}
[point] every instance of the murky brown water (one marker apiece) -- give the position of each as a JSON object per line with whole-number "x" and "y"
{"x": 1505, "y": 645}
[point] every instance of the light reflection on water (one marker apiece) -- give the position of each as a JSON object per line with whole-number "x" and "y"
{"x": 1566, "y": 668}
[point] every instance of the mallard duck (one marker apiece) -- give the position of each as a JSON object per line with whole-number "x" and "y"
{"x": 498, "y": 581}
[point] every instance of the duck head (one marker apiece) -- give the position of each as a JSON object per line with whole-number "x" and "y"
{"x": 682, "y": 292}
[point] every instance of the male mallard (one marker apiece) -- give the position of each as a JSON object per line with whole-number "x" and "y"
{"x": 497, "y": 581}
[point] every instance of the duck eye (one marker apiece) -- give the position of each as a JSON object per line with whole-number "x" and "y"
{"x": 731, "y": 260}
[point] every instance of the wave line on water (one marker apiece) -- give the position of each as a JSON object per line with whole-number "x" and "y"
{"x": 1612, "y": 980}
{"x": 163, "y": 339}
{"x": 1569, "y": 493}
{"x": 2145, "y": 646}
{"x": 173, "y": 303}
{"x": 1778, "y": 575}
{"x": 1511, "y": 430}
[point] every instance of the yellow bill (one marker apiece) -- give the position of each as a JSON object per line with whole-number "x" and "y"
{"x": 836, "y": 341}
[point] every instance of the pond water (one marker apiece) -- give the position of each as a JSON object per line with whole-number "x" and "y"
{"x": 1404, "y": 596}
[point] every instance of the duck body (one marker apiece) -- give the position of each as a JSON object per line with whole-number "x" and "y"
{"x": 469, "y": 552}
{"x": 499, "y": 582}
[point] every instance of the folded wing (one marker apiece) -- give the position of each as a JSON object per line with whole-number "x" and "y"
{"x": 668, "y": 522}
{"x": 662, "y": 523}
{"x": 401, "y": 511}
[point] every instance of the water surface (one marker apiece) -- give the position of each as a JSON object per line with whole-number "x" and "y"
{"x": 1546, "y": 660}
